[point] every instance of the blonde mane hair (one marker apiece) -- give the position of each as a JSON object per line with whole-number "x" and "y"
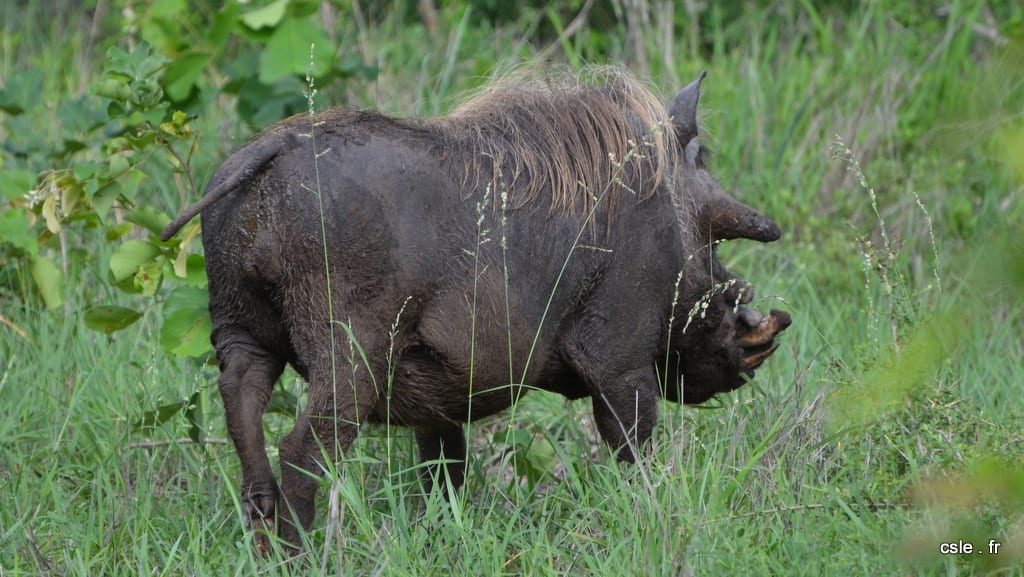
{"x": 580, "y": 136}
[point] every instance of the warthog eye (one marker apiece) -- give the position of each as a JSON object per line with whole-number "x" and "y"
{"x": 704, "y": 155}
{"x": 697, "y": 154}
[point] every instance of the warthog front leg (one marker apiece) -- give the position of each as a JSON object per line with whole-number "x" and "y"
{"x": 447, "y": 444}
{"x": 622, "y": 385}
{"x": 626, "y": 410}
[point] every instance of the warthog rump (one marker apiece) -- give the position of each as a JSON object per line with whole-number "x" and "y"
{"x": 548, "y": 234}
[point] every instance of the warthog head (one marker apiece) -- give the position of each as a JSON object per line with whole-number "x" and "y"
{"x": 717, "y": 341}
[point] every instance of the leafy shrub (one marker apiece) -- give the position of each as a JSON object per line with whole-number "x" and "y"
{"x": 136, "y": 125}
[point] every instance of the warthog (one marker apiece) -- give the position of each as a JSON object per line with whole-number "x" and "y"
{"x": 549, "y": 233}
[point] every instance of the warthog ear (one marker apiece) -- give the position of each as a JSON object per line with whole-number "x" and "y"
{"x": 727, "y": 218}
{"x": 683, "y": 110}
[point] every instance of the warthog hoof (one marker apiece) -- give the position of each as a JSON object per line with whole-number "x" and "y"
{"x": 259, "y": 518}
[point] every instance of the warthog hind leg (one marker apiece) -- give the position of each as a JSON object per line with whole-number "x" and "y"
{"x": 248, "y": 374}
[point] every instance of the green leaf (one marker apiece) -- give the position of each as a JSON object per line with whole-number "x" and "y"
{"x": 130, "y": 182}
{"x": 267, "y": 16}
{"x": 16, "y": 231}
{"x": 303, "y": 8}
{"x": 533, "y": 457}
{"x": 49, "y": 211}
{"x": 117, "y": 231}
{"x": 104, "y": 198}
{"x": 114, "y": 88}
{"x": 513, "y": 438}
{"x": 148, "y": 277}
{"x": 85, "y": 171}
{"x": 194, "y": 416}
{"x": 128, "y": 286}
{"x": 149, "y": 218}
{"x": 72, "y": 193}
{"x": 179, "y": 119}
{"x": 160, "y": 415}
{"x": 186, "y": 332}
{"x": 153, "y": 116}
{"x": 186, "y": 327}
{"x": 261, "y": 104}
{"x": 117, "y": 164}
{"x": 182, "y": 73}
{"x": 195, "y": 271}
{"x": 49, "y": 280}
{"x": 165, "y": 34}
{"x": 130, "y": 256}
{"x": 21, "y": 91}
{"x": 16, "y": 183}
{"x": 138, "y": 64}
{"x": 541, "y": 456}
{"x": 72, "y": 145}
{"x": 221, "y": 27}
{"x": 186, "y": 299}
{"x": 166, "y": 8}
{"x": 189, "y": 232}
{"x": 287, "y": 51}
{"x": 109, "y": 319}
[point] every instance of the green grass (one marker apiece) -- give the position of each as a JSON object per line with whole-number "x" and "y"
{"x": 767, "y": 481}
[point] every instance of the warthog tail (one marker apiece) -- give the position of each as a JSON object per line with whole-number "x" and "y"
{"x": 236, "y": 171}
